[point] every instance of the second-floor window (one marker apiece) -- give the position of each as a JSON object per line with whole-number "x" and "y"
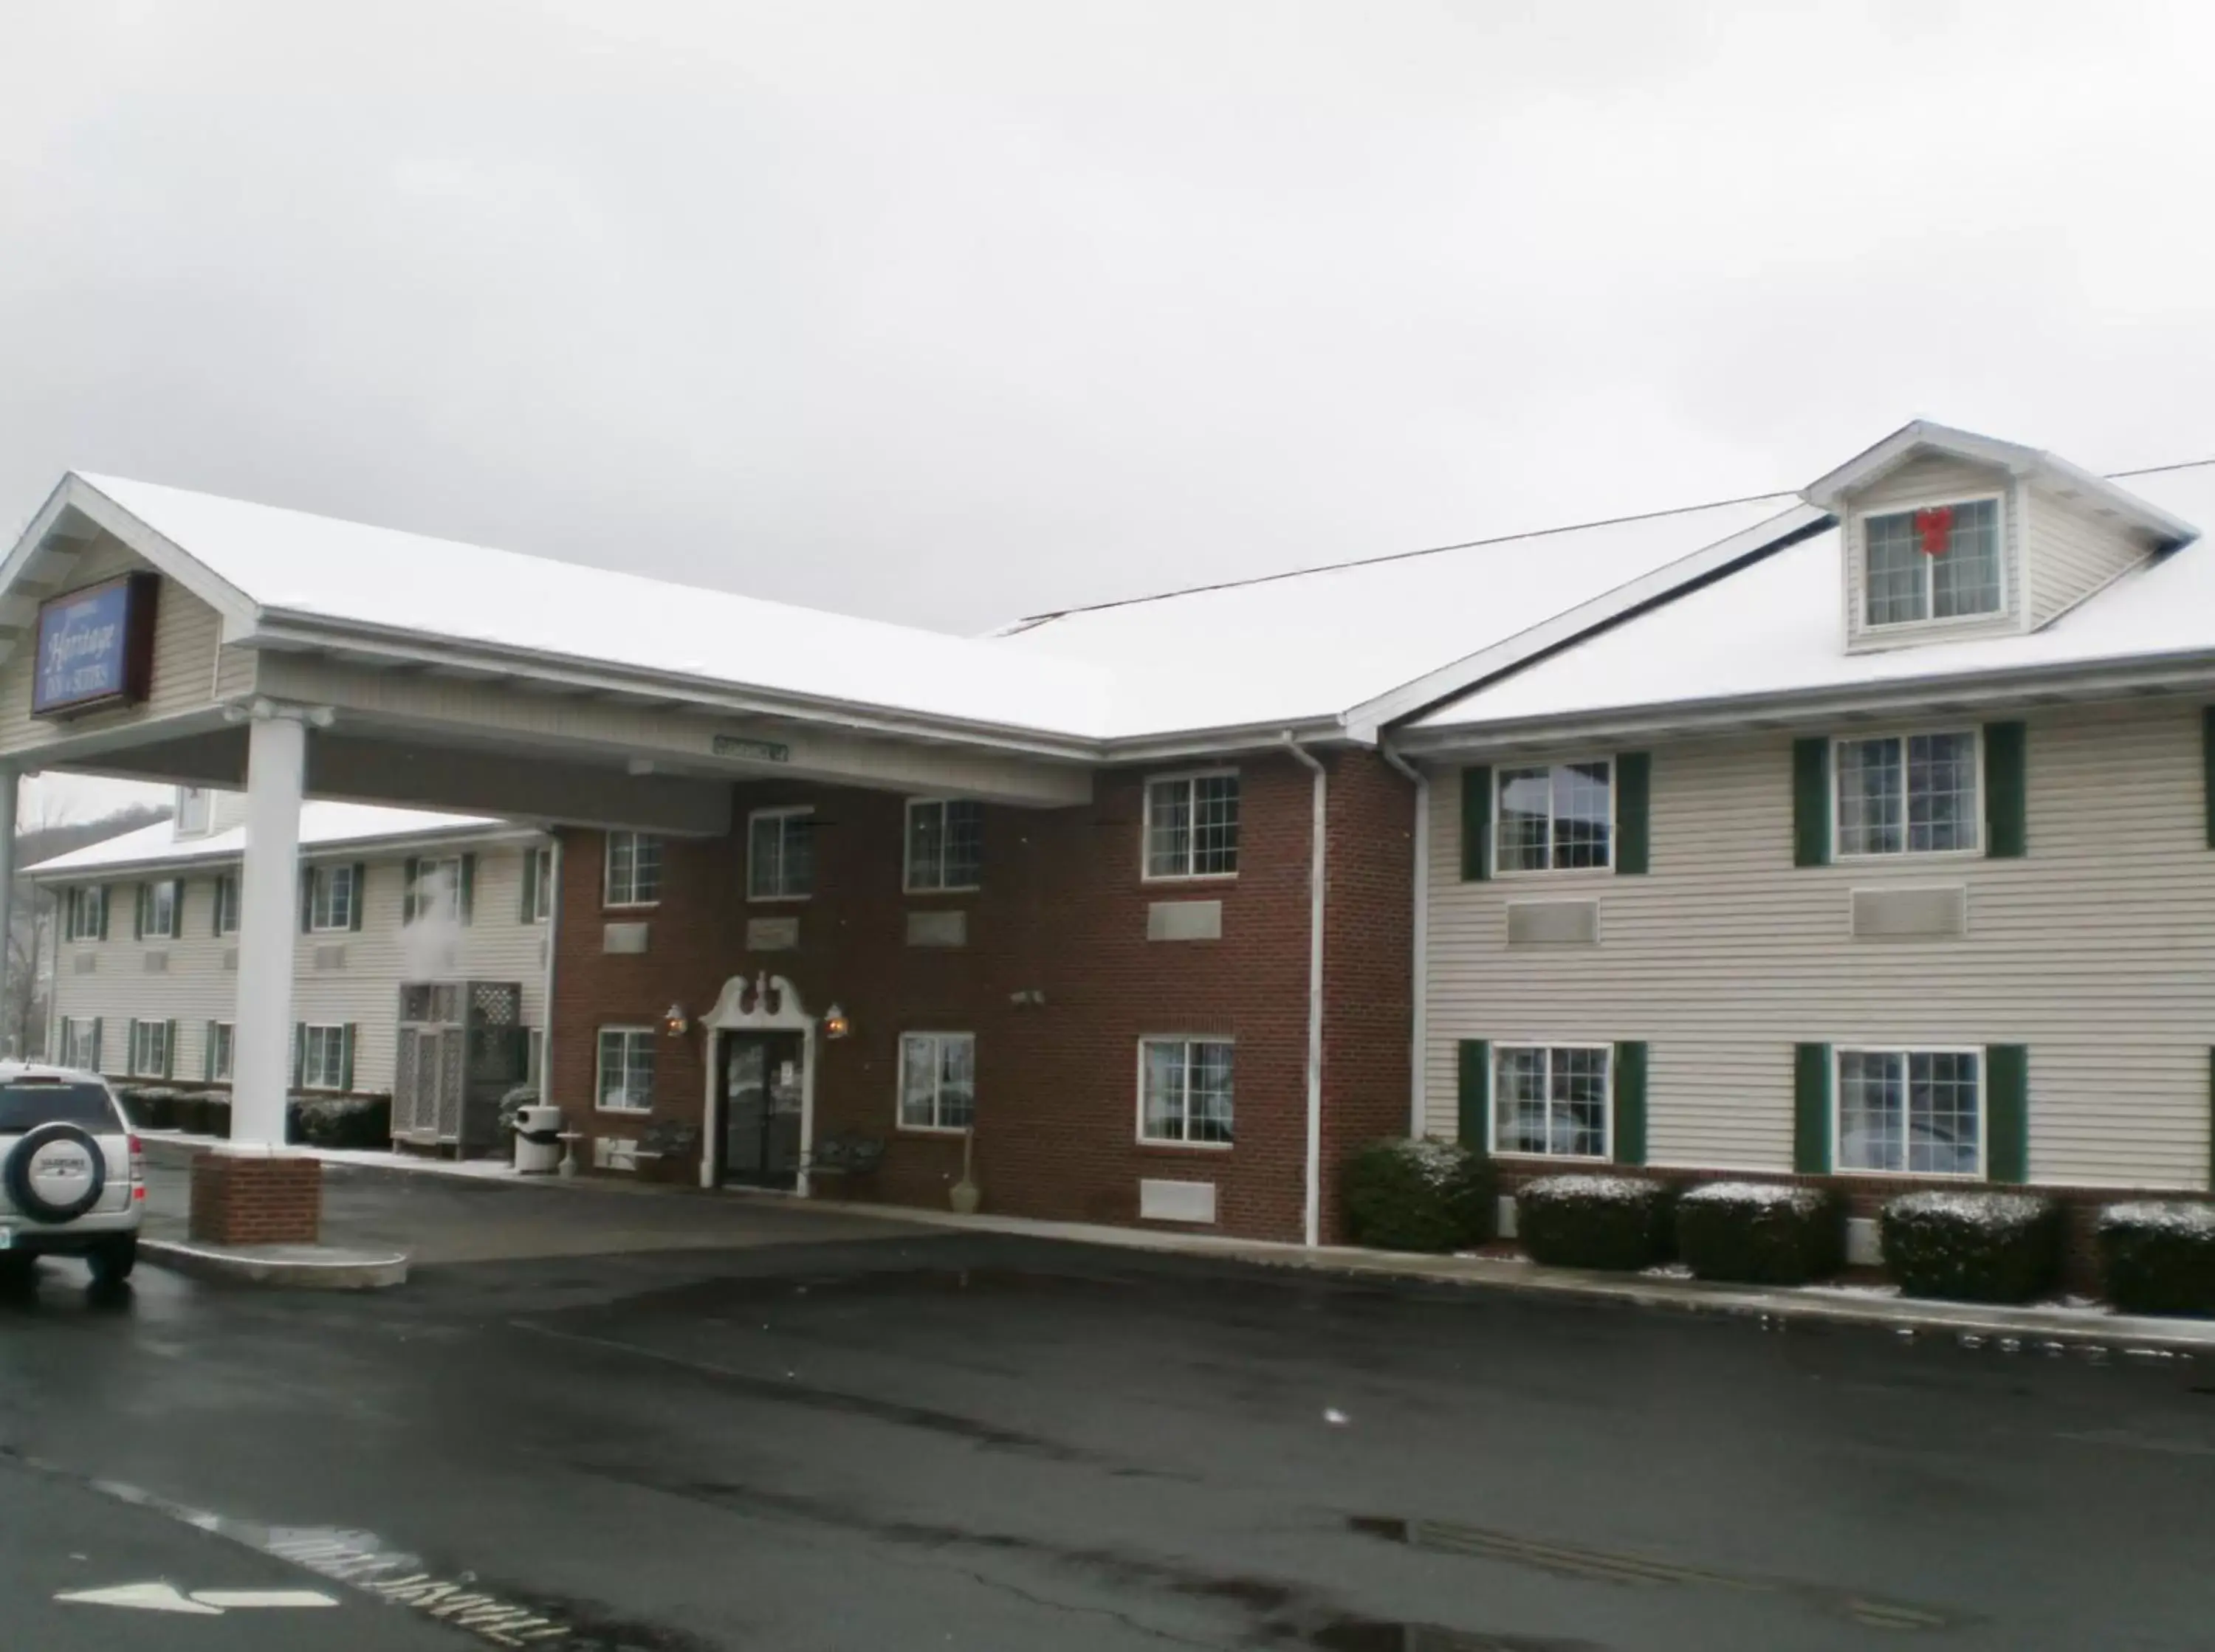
{"x": 1185, "y": 1091}
{"x": 1907, "y": 794}
{"x": 1939, "y": 562}
{"x": 158, "y": 909}
{"x": 332, "y": 898}
{"x": 1192, "y": 826}
{"x": 634, "y": 870}
{"x": 780, "y": 855}
{"x": 195, "y": 810}
{"x": 945, "y": 844}
{"x": 226, "y": 904}
{"x": 84, "y": 917}
{"x": 1556, "y": 817}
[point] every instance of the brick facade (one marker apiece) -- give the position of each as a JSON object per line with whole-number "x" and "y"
{"x": 1063, "y": 913}
{"x": 256, "y": 1199}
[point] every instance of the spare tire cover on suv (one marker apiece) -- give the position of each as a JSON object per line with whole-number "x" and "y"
{"x": 56, "y": 1173}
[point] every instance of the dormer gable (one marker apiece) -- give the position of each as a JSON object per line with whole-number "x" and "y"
{"x": 1946, "y": 534}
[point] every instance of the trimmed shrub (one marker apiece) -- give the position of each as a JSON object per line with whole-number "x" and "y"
{"x": 1972, "y": 1247}
{"x": 215, "y": 1115}
{"x": 2159, "y": 1257}
{"x": 150, "y": 1107}
{"x": 345, "y": 1122}
{"x": 1761, "y": 1232}
{"x": 1404, "y": 1195}
{"x": 1621, "y": 1222}
{"x": 190, "y": 1112}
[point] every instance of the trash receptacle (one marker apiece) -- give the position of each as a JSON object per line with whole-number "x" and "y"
{"x": 537, "y": 1139}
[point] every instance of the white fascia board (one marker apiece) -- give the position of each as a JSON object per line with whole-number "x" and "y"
{"x": 1365, "y": 721}
{"x": 2023, "y": 688}
{"x": 337, "y": 848}
{"x": 1320, "y": 729}
{"x": 74, "y": 492}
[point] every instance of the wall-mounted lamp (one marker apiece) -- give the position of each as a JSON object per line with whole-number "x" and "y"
{"x": 1032, "y": 996}
{"x": 673, "y": 1021}
{"x": 835, "y": 1024}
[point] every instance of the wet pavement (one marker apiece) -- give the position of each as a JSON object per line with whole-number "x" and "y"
{"x": 945, "y": 1440}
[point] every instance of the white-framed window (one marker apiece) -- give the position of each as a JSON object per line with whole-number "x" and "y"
{"x": 149, "y": 1049}
{"x": 1554, "y": 817}
{"x": 226, "y": 904}
{"x": 1932, "y": 562}
{"x": 781, "y": 853}
{"x": 938, "y": 1080}
{"x": 1185, "y": 1091}
{"x": 945, "y": 844}
{"x": 1192, "y": 825}
{"x": 1552, "y": 1100}
{"x": 219, "y": 1035}
{"x": 1907, "y": 793}
{"x": 331, "y": 897}
{"x": 80, "y": 1043}
{"x": 538, "y": 895}
{"x": 195, "y": 810}
{"x": 436, "y": 895}
{"x": 634, "y": 870}
{"x": 626, "y": 1082}
{"x": 85, "y": 913}
{"x": 158, "y": 909}
{"x": 1910, "y": 1112}
{"x": 322, "y": 1057}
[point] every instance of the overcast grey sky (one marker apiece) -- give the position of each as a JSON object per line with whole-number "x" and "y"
{"x": 949, "y": 312}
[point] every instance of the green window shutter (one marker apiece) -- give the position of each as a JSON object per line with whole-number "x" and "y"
{"x": 469, "y": 894}
{"x": 1810, "y": 1109}
{"x": 415, "y": 875}
{"x": 1474, "y": 1092}
{"x": 1634, "y": 785}
{"x": 1475, "y": 824}
{"x": 103, "y": 912}
{"x": 170, "y": 1051}
{"x": 299, "y": 1053}
{"x": 346, "y": 1058}
{"x": 1630, "y": 1104}
{"x": 529, "y": 886}
{"x": 96, "y": 1044}
{"x": 307, "y": 898}
{"x": 2007, "y": 1112}
{"x": 1811, "y": 801}
{"x": 360, "y": 895}
{"x": 2208, "y": 767}
{"x": 2007, "y": 792}
{"x": 139, "y": 912}
{"x": 215, "y": 915}
{"x": 207, "y": 1052}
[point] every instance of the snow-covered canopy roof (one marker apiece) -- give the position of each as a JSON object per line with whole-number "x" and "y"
{"x": 1771, "y": 638}
{"x": 325, "y": 828}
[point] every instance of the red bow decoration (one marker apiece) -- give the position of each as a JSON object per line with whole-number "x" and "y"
{"x": 1936, "y": 527}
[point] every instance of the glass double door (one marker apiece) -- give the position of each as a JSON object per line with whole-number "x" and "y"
{"x": 762, "y": 1082}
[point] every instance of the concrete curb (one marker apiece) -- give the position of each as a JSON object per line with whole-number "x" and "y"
{"x": 297, "y": 1267}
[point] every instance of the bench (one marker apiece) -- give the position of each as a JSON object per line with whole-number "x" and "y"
{"x": 847, "y": 1153}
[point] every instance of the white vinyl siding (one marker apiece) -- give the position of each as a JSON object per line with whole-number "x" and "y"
{"x": 2072, "y": 554}
{"x": 1931, "y": 479}
{"x": 2096, "y": 950}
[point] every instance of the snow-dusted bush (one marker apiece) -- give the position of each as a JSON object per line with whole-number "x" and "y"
{"x": 1761, "y": 1232}
{"x": 1972, "y": 1247}
{"x": 1595, "y": 1221}
{"x": 2159, "y": 1257}
{"x": 1417, "y": 1196}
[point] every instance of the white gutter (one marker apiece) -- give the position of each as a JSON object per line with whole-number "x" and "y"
{"x": 1312, "y": 1219}
{"x": 553, "y": 950}
{"x": 1419, "y": 986}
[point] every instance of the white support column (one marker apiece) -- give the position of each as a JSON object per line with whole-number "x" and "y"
{"x": 269, "y": 920}
{"x": 9, "y": 782}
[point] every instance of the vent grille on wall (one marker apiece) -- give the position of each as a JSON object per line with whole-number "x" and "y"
{"x": 1928, "y": 912}
{"x": 1553, "y": 923}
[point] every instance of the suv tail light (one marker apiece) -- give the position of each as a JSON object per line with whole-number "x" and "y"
{"x": 137, "y": 1167}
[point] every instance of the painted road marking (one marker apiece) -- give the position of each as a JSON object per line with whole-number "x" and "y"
{"x": 251, "y": 1599}
{"x": 200, "y": 1603}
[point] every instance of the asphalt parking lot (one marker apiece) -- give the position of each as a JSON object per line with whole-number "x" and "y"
{"x": 905, "y": 1439}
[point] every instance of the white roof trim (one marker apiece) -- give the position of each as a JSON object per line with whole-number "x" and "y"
{"x": 73, "y": 492}
{"x": 223, "y": 848}
{"x": 1828, "y": 492}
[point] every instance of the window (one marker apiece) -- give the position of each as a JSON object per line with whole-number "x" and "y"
{"x": 149, "y": 1049}
{"x": 938, "y": 1080}
{"x": 945, "y": 844}
{"x": 634, "y": 869}
{"x": 780, "y": 855}
{"x": 331, "y": 897}
{"x": 158, "y": 909}
{"x": 80, "y": 1043}
{"x": 1192, "y": 826}
{"x": 1916, "y": 1112}
{"x": 435, "y": 895}
{"x": 1184, "y": 1091}
{"x": 323, "y": 1058}
{"x": 1552, "y": 1099}
{"x": 626, "y": 1070}
{"x": 1907, "y": 794}
{"x": 1942, "y": 562}
{"x": 195, "y": 810}
{"x": 538, "y": 885}
{"x": 1555, "y": 818}
{"x": 85, "y": 917}
{"x": 219, "y": 1049}
{"x": 226, "y": 904}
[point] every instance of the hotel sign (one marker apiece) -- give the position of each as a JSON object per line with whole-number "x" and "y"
{"x": 95, "y": 647}
{"x": 759, "y": 751}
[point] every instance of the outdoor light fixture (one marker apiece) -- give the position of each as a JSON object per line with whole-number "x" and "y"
{"x": 673, "y": 1022}
{"x": 835, "y": 1024}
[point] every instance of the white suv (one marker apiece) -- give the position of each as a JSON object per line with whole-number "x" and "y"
{"x": 71, "y": 1179}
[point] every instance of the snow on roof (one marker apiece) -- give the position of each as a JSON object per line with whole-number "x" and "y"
{"x": 323, "y": 825}
{"x": 1778, "y": 628}
{"x": 319, "y": 565}
{"x": 1317, "y": 642}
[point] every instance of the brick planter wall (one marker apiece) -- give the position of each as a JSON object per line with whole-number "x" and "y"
{"x": 248, "y": 1199}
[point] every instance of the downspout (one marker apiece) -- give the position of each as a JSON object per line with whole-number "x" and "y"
{"x": 1312, "y": 1223}
{"x": 1419, "y": 1028}
{"x": 553, "y": 953}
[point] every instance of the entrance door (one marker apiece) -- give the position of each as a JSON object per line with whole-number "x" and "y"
{"x": 762, "y": 1084}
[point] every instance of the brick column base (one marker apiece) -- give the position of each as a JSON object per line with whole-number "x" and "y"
{"x": 256, "y": 1199}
